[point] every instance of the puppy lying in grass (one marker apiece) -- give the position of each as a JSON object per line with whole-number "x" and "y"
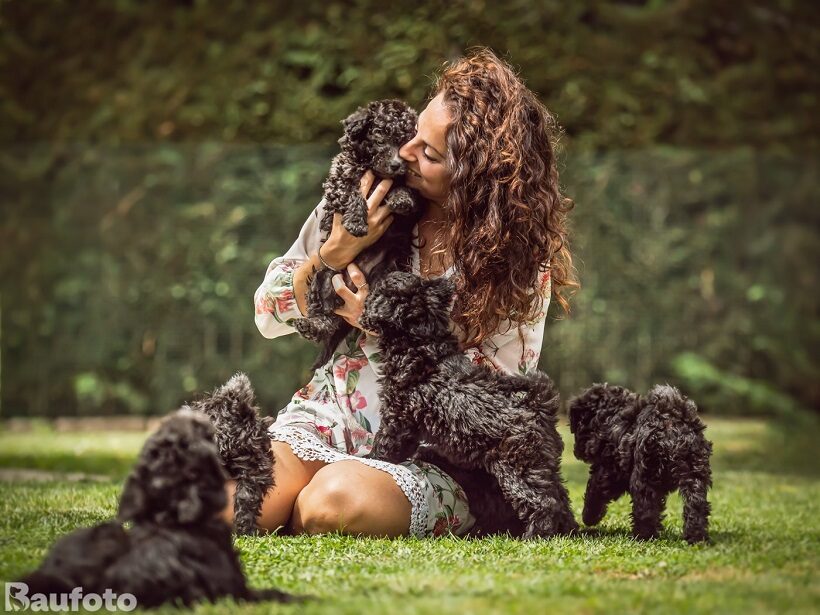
{"x": 177, "y": 550}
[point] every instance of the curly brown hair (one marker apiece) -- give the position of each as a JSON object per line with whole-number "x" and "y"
{"x": 508, "y": 218}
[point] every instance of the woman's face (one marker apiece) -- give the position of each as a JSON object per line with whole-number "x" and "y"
{"x": 425, "y": 153}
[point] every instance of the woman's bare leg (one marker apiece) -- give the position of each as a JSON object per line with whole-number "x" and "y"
{"x": 353, "y": 498}
{"x": 291, "y": 476}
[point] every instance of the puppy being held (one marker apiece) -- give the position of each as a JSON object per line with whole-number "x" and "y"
{"x": 475, "y": 418}
{"x": 372, "y": 138}
{"x": 178, "y": 550}
{"x": 647, "y": 446}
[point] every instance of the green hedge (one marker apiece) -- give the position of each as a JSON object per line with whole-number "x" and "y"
{"x": 156, "y": 155}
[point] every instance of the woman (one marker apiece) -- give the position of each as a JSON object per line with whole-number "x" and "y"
{"x": 483, "y": 158}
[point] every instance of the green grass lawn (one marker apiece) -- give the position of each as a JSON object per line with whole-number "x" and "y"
{"x": 764, "y": 556}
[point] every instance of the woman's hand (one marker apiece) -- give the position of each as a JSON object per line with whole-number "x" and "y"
{"x": 352, "y": 310}
{"x": 341, "y": 246}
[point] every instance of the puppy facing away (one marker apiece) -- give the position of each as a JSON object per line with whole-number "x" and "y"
{"x": 244, "y": 446}
{"x": 177, "y": 550}
{"x": 475, "y": 418}
{"x": 372, "y": 138}
{"x": 647, "y": 446}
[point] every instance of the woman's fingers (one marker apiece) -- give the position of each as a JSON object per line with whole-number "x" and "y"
{"x": 342, "y": 290}
{"x": 384, "y": 222}
{"x": 351, "y": 311}
{"x": 366, "y": 183}
{"x": 357, "y": 277}
{"x": 378, "y": 195}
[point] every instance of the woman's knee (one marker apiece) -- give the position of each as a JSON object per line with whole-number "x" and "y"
{"x": 326, "y": 504}
{"x": 350, "y": 497}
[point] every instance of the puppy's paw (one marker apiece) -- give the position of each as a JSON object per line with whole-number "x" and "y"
{"x": 644, "y": 533}
{"x": 392, "y": 450}
{"x": 307, "y": 328}
{"x": 355, "y": 228}
{"x": 400, "y": 200}
{"x": 592, "y": 515}
{"x": 696, "y": 536}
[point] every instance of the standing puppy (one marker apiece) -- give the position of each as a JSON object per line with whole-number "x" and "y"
{"x": 475, "y": 418}
{"x": 241, "y": 436}
{"x": 647, "y": 447}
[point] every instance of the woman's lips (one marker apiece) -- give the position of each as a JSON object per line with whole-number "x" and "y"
{"x": 412, "y": 172}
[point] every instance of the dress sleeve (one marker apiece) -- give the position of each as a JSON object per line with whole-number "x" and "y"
{"x": 275, "y": 304}
{"x": 512, "y": 350}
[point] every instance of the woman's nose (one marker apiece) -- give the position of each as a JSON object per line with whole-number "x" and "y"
{"x": 406, "y": 151}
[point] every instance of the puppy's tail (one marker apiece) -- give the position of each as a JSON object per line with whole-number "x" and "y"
{"x": 237, "y": 395}
{"x": 670, "y": 401}
{"x": 541, "y": 393}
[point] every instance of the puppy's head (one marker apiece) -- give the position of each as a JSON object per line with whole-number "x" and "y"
{"x": 596, "y": 415}
{"x": 178, "y": 478}
{"x": 374, "y": 134}
{"x": 405, "y": 305}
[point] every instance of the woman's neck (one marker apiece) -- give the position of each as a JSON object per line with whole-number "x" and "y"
{"x": 435, "y": 213}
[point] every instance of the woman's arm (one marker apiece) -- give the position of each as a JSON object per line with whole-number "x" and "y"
{"x": 275, "y": 303}
{"x": 282, "y": 296}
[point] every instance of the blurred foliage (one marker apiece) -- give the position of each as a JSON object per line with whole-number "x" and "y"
{"x": 616, "y": 73}
{"x": 156, "y": 155}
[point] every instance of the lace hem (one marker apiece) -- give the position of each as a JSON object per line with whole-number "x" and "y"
{"x": 309, "y": 447}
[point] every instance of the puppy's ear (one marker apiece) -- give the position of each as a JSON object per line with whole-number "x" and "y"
{"x": 441, "y": 293}
{"x": 574, "y": 418}
{"x": 132, "y": 501}
{"x": 356, "y": 124}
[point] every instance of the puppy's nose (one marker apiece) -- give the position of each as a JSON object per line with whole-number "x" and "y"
{"x": 395, "y": 166}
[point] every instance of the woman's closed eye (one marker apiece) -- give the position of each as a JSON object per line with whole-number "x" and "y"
{"x": 426, "y": 155}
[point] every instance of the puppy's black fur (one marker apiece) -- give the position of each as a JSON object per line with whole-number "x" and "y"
{"x": 244, "y": 446}
{"x": 647, "y": 447}
{"x": 178, "y": 550}
{"x": 372, "y": 138}
{"x": 474, "y": 417}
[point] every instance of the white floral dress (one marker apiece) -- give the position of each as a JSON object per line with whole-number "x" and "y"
{"x": 334, "y": 416}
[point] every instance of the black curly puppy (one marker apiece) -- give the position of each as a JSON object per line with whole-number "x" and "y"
{"x": 244, "y": 446}
{"x": 372, "y": 138}
{"x": 178, "y": 550}
{"x": 647, "y": 447}
{"x": 474, "y": 417}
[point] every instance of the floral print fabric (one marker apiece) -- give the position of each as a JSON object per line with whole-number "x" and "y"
{"x": 342, "y": 398}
